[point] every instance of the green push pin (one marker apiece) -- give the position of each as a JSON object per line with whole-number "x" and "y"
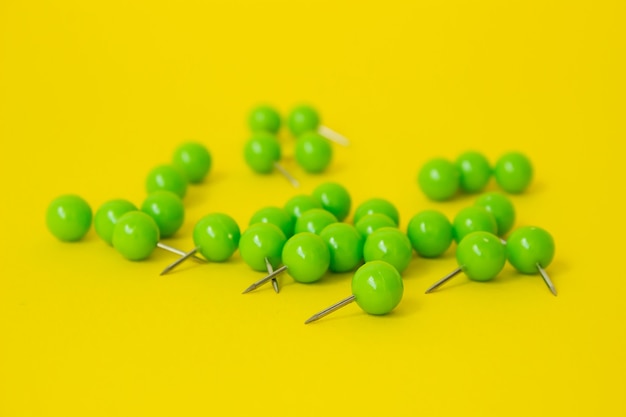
{"x": 299, "y": 204}
{"x": 193, "y": 160}
{"x": 304, "y": 119}
{"x": 474, "y": 170}
{"x": 334, "y": 198}
{"x": 305, "y": 255}
{"x": 264, "y": 119}
{"x": 167, "y": 177}
{"x": 513, "y": 172}
{"x": 313, "y": 153}
{"x": 430, "y": 233}
{"x": 135, "y": 235}
{"x": 216, "y": 237}
{"x": 502, "y": 209}
{"x": 377, "y": 288}
{"x": 167, "y": 210}
{"x": 107, "y": 216}
{"x": 377, "y": 205}
{"x": 439, "y": 179}
{"x": 473, "y": 219}
{"x": 371, "y": 222}
{"x": 261, "y": 246}
{"x": 531, "y": 249}
{"x": 388, "y": 244}
{"x": 262, "y": 153}
{"x": 345, "y": 244}
{"x": 481, "y": 255}
{"x": 277, "y": 216}
{"x": 314, "y": 221}
{"x": 68, "y": 218}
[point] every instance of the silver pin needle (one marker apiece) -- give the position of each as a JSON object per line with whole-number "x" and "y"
{"x": 444, "y": 280}
{"x": 179, "y": 261}
{"x": 179, "y": 252}
{"x": 330, "y": 309}
{"x": 268, "y": 265}
{"x": 264, "y": 280}
{"x": 546, "y": 279}
{"x": 330, "y": 134}
{"x": 286, "y": 174}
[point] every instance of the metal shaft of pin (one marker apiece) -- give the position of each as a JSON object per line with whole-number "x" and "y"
{"x": 444, "y": 280}
{"x": 330, "y": 134}
{"x": 268, "y": 265}
{"x": 179, "y": 261}
{"x": 287, "y": 175}
{"x": 179, "y": 252}
{"x": 330, "y": 309}
{"x": 546, "y": 279}
{"x": 265, "y": 279}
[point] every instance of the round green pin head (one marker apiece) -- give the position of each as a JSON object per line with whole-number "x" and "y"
{"x": 264, "y": 119}
{"x": 388, "y": 244}
{"x": 261, "y": 241}
{"x": 370, "y": 222}
{"x": 474, "y": 170}
{"x": 300, "y": 204}
{"x": 303, "y": 119}
{"x": 314, "y": 221}
{"x": 528, "y": 247}
{"x": 513, "y": 172}
{"x": 502, "y": 209}
{"x": 377, "y": 287}
{"x": 313, "y": 152}
{"x": 473, "y": 219}
{"x": 193, "y": 160}
{"x": 135, "y": 235}
{"x": 377, "y": 205}
{"x": 306, "y": 257}
{"x": 430, "y": 233}
{"x": 107, "y": 216}
{"x": 261, "y": 152}
{"x": 439, "y": 179}
{"x": 345, "y": 244}
{"x": 168, "y": 178}
{"x": 167, "y": 210}
{"x": 481, "y": 255}
{"x": 334, "y": 198}
{"x": 68, "y": 218}
{"x": 216, "y": 236}
{"x": 277, "y": 216}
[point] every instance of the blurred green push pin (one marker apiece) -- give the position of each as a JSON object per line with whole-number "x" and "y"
{"x": 481, "y": 255}
{"x": 261, "y": 246}
{"x": 305, "y": 256}
{"x": 377, "y": 288}
{"x": 167, "y": 210}
{"x": 299, "y": 204}
{"x": 513, "y": 172}
{"x": 439, "y": 179}
{"x": 388, "y": 244}
{"x": 313, "y": 153}
{"x": 193, "y": 160}
{"x": 314, "y": 221}
{"x": 277, "y": 216}
{"x": 135, "y": 235}
{"x": 502, "y": 209}
{"x": 167, "y": 177}
{"x": 262, "y": 153}
{"x": 68, "y": 218}
{"x": 473, "y": 219}
{"x": 430, "y": 233}
{"x": 345, "y": 244}
{"x": 474, "y": 171}
{"x": 531, "y": 249}
{"x": 264, "y": 118}
{"x": 304, "y": 118}
{"x": 334, "y": 198}
{"x": 377, "y": 205}
{"x": 370, "y": 222}
{"x": 216, "y": 237}
{"x": 107, "y": 216}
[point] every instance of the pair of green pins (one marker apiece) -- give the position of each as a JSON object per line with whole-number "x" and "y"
{"x": 441, "y": 179}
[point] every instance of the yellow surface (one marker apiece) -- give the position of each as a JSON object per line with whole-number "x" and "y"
{"x": 93, "y": 94}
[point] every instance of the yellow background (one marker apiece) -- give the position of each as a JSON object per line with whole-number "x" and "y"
{"x": 94, "y": 94}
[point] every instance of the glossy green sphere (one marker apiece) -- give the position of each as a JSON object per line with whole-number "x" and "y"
{"x": 377, "y": 205}
{"x": 529, "y": 246}
{"x": 473, "y": 219}
{"x": 299, "y": 204}
{"x": 168, "y": 178}
{"x": 313, "y": 152}
{"x": 193, "y": 160}
{"x": 513, "y": 172}
{"x": 277, "y": 216}
{"x": 481, "y": 255}
{"x": 474, "y": 171}
{"x": 217, "y": 236}
{"x": 377, "y": 287}
{"x": 439, "y": 179}
{"x": 345, "y": 244}
{"x": 303, "y": 119}
{"x": 264, "y": 119}
{"x": 390, "y": 245}
{"x": 306, "y": 257}
{"x": 502, "y": 209}
{"x": 167, "y": 210}
{"x": 370, "y": 222}
{"x": 334, "y": 198}
{"x": 68, "y": 217}
{"x": 107, "y": 216}
{"x": 260, "y": 241}
{"x": 261, "y": 152}
{"x": 430, "y": 233}
{"x": 314, "y": 221}
{"x": 135, "y": 235}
